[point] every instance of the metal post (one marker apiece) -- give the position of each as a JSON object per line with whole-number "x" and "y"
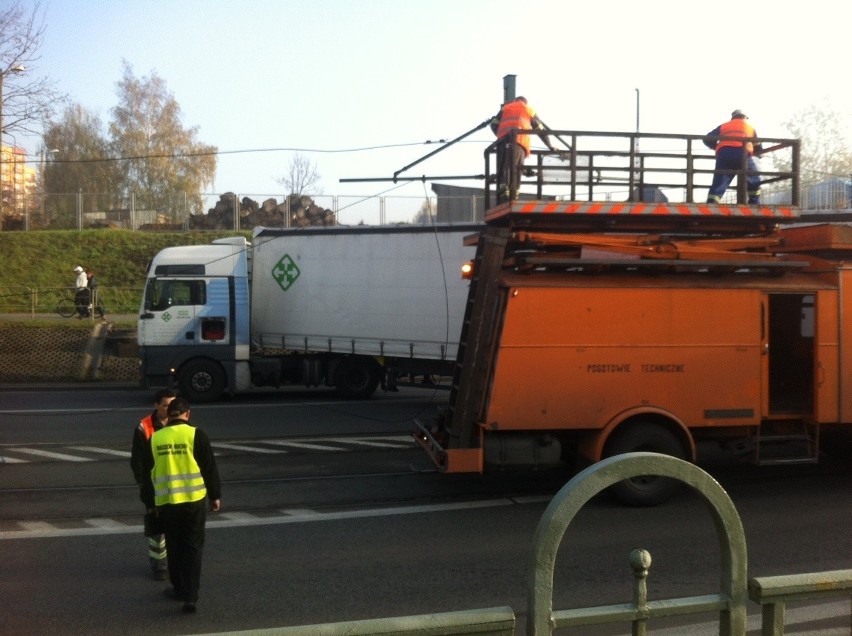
{"x": 640, "y": 562}
{"x": 80, "y": 209}
{"x": 509, "y": 88}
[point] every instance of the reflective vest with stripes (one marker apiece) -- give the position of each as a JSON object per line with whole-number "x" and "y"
{"x": 176, "y": 475}
{"x": 516, "y": 114}
{"x": 736, "y": 128}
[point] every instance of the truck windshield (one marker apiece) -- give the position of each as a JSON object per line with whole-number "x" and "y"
{"x": 160, "y": 294}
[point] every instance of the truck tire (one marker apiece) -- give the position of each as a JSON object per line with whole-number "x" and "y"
{"x": 645, "y": 490}
{"x": 356, "y": 378}
{"x": 201, "y": 381}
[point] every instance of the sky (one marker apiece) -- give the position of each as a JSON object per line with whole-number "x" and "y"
{"x": 262, "y": 79}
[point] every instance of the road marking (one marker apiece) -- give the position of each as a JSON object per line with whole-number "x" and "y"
{"x": 305, "y": 445}
{"x": 36, "y": 526}
{"x": 236, "y": 516}
{"x": 240, "y": 447}
{"x": 243, "y": 445}
{"x": 374, "y": 444}
{"x": 13, "y": 460}
{"x": 237, "y": 519}
{"x": 105, "y": 523}
{"x": 52, "y": 455}
{"x": 105, "y": 451}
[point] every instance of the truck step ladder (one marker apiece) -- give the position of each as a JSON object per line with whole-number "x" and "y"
{"x": 477, "y": 346}
{"x": 786, "y": 443}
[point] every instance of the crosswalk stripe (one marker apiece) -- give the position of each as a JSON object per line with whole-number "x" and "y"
{"x": 52, "y": 455}
{"x": 250, "y": 449}
{"x": 246, "y": 446}
{"x": 13, "y": 460}
{"x": 304, "y": 445}
{"x": 105, "y": 451}
{"x": 36, "y": 526}
{"x": 374, "y": 444}
{"x": 104, "y": 523}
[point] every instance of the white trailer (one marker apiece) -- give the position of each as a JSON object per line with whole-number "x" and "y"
{"x": 348, "y": 307}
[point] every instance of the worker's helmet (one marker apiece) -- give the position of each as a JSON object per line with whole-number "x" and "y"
{"x": 738, "y": 114}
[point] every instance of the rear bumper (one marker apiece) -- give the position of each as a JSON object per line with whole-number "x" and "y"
{"x": 453, "y": 460}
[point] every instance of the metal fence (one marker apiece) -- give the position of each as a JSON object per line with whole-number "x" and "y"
{"x": 238, "y": 211}
{"x": 21, "y": 299}
{"x": 728, "y": 604}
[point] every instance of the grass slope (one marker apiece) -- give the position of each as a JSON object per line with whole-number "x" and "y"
{"x": 46, "y": 259}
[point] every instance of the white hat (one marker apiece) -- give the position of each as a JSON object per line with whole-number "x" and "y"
{"x": 78, "y": 269}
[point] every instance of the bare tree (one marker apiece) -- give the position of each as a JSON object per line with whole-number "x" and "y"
{"x": 28, "y": 99}
{"x": 302, "y": 177}
{"x": 825, "y": 140}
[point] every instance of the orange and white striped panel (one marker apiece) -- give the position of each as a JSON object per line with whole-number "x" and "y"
{"x": 622, "y": 208}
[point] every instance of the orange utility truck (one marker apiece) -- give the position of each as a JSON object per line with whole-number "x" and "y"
{"x": 602, "y": 328}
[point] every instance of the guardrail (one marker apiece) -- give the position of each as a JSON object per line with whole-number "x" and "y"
{"x": 775, "y": 592}
{"x": 730, "y": 602}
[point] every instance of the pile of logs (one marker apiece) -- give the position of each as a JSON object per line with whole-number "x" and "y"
{"x": 294, "y": 211}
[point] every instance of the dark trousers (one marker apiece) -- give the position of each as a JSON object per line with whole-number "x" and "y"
{"x": 729, "y": 160}
{"x": 510, "y": 162}
{"x": 183, "y": 525}
{"x": 81, "y": 299}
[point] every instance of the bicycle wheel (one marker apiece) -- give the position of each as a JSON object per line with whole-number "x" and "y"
{"x": 66, "y": 308}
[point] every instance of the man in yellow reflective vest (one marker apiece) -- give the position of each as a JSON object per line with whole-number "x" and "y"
{"x": 141, "y": 449}
{"x": 512, "y": 150}
{"x": 184, "y": 477}
{"x": 741, "y": 140}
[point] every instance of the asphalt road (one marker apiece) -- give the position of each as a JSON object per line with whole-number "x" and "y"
{"x": 331, "y": 514}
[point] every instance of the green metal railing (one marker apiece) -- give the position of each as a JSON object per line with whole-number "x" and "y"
{"x": 729, "y": 603}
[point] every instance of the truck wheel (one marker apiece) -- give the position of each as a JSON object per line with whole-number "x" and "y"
{"x": 645, "y": 490}
{"x": 356, "y": 378}
{"x": 201, "y": 381}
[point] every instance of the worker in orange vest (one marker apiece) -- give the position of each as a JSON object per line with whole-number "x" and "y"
{"x": 512, "y": 150}
{"x": 141, "y": 448}
{"x": 729, "y": 157}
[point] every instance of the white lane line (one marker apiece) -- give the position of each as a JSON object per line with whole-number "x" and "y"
{"x": 13, "y": 460}
{"x": 305, "y": 445}
{"x": 51, "y": 455}
{"x": 250, "y": 449}
{"x": 104, "y": 451}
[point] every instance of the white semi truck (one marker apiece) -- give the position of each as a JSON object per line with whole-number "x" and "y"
{"x": 348, "y": 307}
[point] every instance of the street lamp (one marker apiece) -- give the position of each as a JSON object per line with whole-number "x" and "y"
{"x": 14, "y": 69}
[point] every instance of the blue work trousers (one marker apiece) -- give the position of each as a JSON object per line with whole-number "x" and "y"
{"x": 728, "y": 161}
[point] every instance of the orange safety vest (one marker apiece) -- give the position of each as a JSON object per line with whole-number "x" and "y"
{"x": 516, "y": 114}
{"x": 146, "y": 425}
{"x": 736, "y": 128}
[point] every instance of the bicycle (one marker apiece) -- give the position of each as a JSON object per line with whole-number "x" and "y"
{"x": 67, "y": 305}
